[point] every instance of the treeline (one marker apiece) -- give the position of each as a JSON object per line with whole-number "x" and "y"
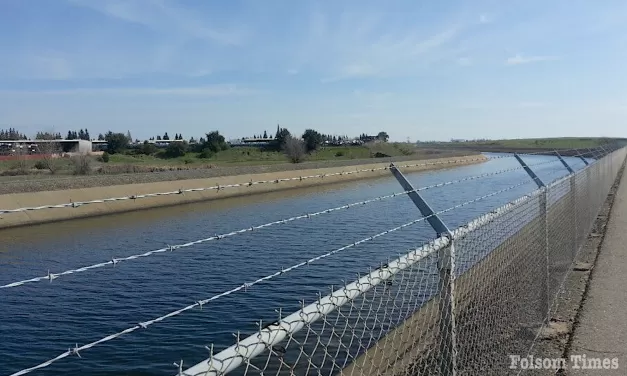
{"x": 82, "y": 134}
{"x": 166, "y": 137}
{"x": 11, "y": 134}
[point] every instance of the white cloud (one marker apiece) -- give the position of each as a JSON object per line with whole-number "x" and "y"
{"x": 519, "y": 59}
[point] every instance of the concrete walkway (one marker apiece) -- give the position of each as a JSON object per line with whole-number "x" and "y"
{"x": 602, "y": 330}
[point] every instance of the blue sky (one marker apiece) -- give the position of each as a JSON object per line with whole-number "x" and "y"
{"x": 422, "y": 70}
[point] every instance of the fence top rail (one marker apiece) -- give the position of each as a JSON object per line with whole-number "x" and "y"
{"x": 237, "y": 354}
{"x": 145, "y": 324}
{"x": 234, "y": 356}
{"x": 274, "y": 333}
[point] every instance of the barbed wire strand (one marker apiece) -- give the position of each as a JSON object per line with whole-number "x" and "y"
{"x": 114, "y": 261}
{"x": 143, "y": 325}
{"x": 228, "y": 186}
{"x": 544, "y": 152}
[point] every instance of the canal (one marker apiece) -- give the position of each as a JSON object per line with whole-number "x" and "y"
{"x": 41, "y": 320}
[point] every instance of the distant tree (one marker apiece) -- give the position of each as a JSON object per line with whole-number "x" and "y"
{"x": 281, "y": 136}
{"x": 81, "y": 134}
{"x": 70, "y": 135}
{"x": 47, "y": 136}
{"x": 86, "y": 134}
{"x": 166, "y": 137}
{"x": 265, "y": 134}
{"x": 49, "y": 151}
{"x": 294, "y": 149}
{"x": 105, "y": 157}
{"x": 158, "y": 138}
{"x": 148, "y": 149}
{"x": 116, "y": 142}
{"x": 129, "y": 137}
{"x": 192, "y": 140}
{"x": 312, "y": 139}
{"x": 11, "y": 134}
{"x": 215, "y": 142}
{"x": 101, "y": 137}
{"x": 176, "y": 149}
{"x": 383, "y": 136}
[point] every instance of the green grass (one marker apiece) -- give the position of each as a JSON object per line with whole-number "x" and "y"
{"x": 246, "y": 156}
{"x": 558, "y": 143}
{"x": 535, "y": 143}
{"x": 241, "y": 156}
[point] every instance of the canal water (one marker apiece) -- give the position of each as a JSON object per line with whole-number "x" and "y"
{"x": 38, "y": 321}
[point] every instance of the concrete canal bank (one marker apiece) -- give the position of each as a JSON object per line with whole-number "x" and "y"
{"x": 34, "y": 199}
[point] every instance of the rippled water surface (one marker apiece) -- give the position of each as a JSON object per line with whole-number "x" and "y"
{"x": 41, "y": 320}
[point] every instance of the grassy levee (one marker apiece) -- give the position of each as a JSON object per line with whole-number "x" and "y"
{"x": 34, "y": 199}
{"x": 500, "y": 305}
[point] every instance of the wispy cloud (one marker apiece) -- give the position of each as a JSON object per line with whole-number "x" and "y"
{"x": 519, "y": 59}
{"x": 163, "y": 17}
{"x": 222, "y": 90}
{"x": 362, "y": 55}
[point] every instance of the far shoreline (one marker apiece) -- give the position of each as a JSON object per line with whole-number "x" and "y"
{"x": 65, "y": 196}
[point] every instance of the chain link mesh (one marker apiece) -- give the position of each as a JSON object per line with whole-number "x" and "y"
{"x": 461, "y": 304}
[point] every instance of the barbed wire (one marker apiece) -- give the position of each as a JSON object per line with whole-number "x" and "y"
{"x": 228, "y": 186}
{"x": 545, "y": 152}
{"x": 144, "y": 325}
{"x": 243, "y": 351}
{"x": 219, "y": 187}
{"x": 114, "y": 261}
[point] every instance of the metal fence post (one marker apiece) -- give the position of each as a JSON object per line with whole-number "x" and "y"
{"x": 446, "y": 278}
{"x": 573, "y": 202}
{"x": 585, "y": 161}
{"x": 570, "y": 170}
{"x": 545, "y": 302}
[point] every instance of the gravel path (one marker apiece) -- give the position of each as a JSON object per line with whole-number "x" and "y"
{"x": 38, "y": 183}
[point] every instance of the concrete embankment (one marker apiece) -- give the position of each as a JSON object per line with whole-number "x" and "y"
{"x": 34, "y": 199}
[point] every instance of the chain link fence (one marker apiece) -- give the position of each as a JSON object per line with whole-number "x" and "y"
{"x": 459, "y": 305}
